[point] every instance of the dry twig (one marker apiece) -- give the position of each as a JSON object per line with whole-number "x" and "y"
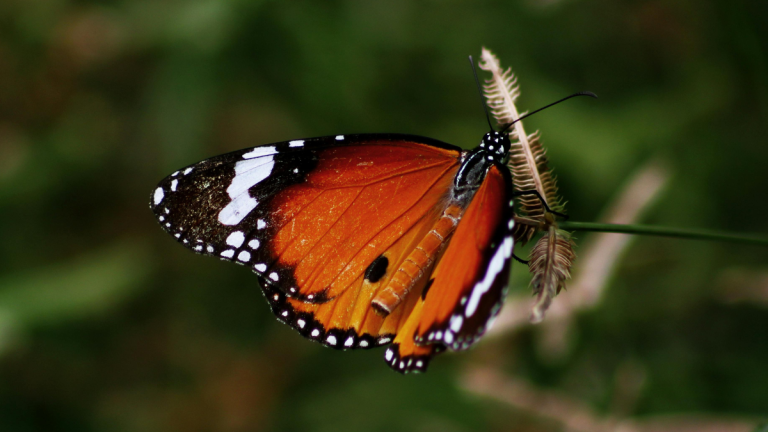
{"x": 577, "y": 417}
{"x": 600, "y": 256}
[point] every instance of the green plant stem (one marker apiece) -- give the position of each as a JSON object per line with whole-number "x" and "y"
{"x": 661, "y": 231}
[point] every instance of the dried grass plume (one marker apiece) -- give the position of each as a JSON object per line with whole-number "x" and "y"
{"x": 552, "y": 257}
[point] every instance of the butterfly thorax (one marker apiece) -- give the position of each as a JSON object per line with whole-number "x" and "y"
{"x": 493, "y": 149}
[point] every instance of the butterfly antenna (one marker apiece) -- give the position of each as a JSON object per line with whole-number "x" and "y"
{"x": 582, "y": 93}
{"x": 480, "y": 92}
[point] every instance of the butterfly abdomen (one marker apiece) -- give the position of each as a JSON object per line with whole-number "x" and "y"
{"x": 419, "y": 261}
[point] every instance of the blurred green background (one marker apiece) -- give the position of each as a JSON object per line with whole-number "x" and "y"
{"x": 106, "y": 324}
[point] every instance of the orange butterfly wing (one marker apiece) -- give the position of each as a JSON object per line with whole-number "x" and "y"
{"x": 310, "y": 217}
{"x": 389, "y": 218}
{"x": 326, "y": 223}
{"x": 468, "y": 286}
{"x": 350, "y": 209}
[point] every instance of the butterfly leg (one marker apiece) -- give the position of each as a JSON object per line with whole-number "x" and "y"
{"x": 418, "y": 262}
{"x": 543, "y": 202}
{"x": 520, "y": 260}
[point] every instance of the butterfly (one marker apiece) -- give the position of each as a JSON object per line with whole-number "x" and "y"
{"x": 359, "y": 241}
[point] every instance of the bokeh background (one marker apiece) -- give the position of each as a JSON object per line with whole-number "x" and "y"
{"x": 106, "y": 324}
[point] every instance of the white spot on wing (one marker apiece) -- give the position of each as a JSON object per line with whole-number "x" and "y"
{"x": 448, "y": 337}
{"x": 237, "y": 209}
{"x": 331, "y": 339}
{"x": 296, "y": 143}
{"x": 253, "y": 244}
{"x": 315, "y": 333}
{"x": 456, "y": 322}
{"x": 301, "y": 323}
{"x": 244, "y": 256}
{"x": 260, "y": 151}
{"x": 248, "y": 173}
{"x": 188, "y": 170}
{"x": 236, "y": 239}
{"x": 494, "y": 268}
{"x": 339, "y": 137}
{"x": 209, "y": 249}
{"x": 389, "y": 354}
{"x": 260, "y": 224}
{"x": 260, "y": 267}
{"x": 363, "y": 343}
{"x": 174, "y": 184}
{"x": 159, "y": 194}
{"x": 274, "y": 276}
{"x": 350, "y": 340}
{"x": 229, "y": 253}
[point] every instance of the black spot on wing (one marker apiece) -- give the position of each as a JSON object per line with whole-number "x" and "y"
{"x": 377, "y": 269}
{"x": 427, "y": 287}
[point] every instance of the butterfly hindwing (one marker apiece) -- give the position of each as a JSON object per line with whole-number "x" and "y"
{"x": 468, "y": 285}
{"x": 470, "y": 281}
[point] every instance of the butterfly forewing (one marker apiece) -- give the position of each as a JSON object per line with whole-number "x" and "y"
{"x": 310, "y": 217}
{"x": 218, "y": 206}
{"x": 353, "y": 206}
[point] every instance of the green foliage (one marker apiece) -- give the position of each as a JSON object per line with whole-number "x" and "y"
{"x": 107, "y": 324}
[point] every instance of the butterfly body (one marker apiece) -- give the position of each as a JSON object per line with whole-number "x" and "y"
{"x": 359, "y": 240}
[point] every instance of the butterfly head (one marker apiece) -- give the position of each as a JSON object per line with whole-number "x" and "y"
{"x": 496, "y": 146}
